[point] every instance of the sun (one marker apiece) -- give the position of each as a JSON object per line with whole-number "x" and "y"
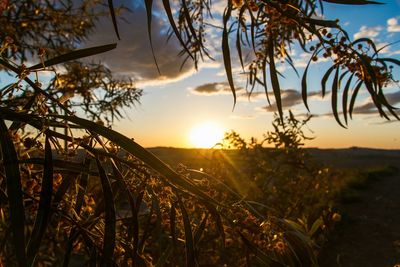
{"x": 206, "y": 135}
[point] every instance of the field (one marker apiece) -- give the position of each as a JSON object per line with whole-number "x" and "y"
{"x": 347, "y": 158}
{"x": 367, "y": 201}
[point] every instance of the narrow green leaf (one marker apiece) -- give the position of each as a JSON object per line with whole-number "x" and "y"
{"x": 44, "y": 210}
{"x": 335, "y": 89}
{"x": 316, "y": 225}
{"x": 109, "y": 218}
{"x": 63, "y": 188}
{"x": 189, "y": 243}
{"x": 261, "y": 255}
{"x": 325, "y": 79}
{"x": 226, "y": 52}
{"x": 77, "y": 54}
{"x": 383, "y": 100}
{"x": 172, "y": 225}
{"x": 239, "y": 47}
{"x": 391, "y": 60}
{"x": 218, "y": 222}
{"x": 71, "y": 239}
{"x": 375, "y": 99}
{"x": 14, "y": 192}
{"x": 345, "y": 97}
{"x": 200, "y": 230}
{"x": 83, "y": 183}
{"x": 264, "y": 81}
{"x": 149, "y": 8}
{"x": 354, "y": 97}
{"x": 135, "y": 225}
{"x": 304, "y": 82}
{"x": 114, "y": 20}
{"x": 274, "y": 77}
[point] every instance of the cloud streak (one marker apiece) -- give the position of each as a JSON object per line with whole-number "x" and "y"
{"x": 392, "y": 25}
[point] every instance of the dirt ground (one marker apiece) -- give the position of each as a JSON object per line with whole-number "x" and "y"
{"x": 369, "y": 233}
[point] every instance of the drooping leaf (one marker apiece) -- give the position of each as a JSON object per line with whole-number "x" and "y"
{"x": 392, "y": 60}
{"x": 325, "y": 79}
{"x": 354, "y": 97}
{"x": 304, "y": 81}
{"x": 335, "y": 89}
{"x": 345, "y": 97}
{"x": 109, "y": 218}
{"x": 149, "y": 9}
{"x": 114, "y": 20}
{"x": 44, "y": 210}
{"x": 77, "y": 54}
{"x": 274, "y": 77}
{"x": 14, "y": 193}
{"x": 226, "y": 52}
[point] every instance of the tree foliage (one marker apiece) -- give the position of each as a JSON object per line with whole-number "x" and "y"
{"x": 266, "y": 32}
{"x": 39, "y": 30}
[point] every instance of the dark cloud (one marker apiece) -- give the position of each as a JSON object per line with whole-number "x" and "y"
{"x": 369, "y": 108}
{"x": 213, "y": 89}
{"x": 290, "y": 98}
{"x": 133, "y": 55}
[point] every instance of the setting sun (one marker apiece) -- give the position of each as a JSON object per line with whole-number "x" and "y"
{"x": 205, "y": 135}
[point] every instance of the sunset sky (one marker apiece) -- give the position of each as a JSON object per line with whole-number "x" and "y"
{"x": 177, "y": 102}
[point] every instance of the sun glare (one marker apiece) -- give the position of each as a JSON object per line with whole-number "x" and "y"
{"x": 206, "y": 135}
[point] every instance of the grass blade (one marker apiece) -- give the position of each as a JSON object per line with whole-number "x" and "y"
{"x": 14, "y": 192}
{"x": 77, "y": 54}
{"x": 114, "y": 20}
{"x": 110, "y": 220}
{"x": 189, "y": 243}
{"x": 44, "y": 210}
{"x": 200, "y": 230}
{"x": 264, "y": 258}
{"x": 172, "y": 224}
{"x": 83, "y": 182}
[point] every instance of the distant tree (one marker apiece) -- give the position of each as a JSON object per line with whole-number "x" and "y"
{"x": 269, "y": 30}
{"x": 45, "y": 29}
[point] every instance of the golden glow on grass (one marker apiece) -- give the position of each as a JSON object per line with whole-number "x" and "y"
{"x": 206, "y": 135}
